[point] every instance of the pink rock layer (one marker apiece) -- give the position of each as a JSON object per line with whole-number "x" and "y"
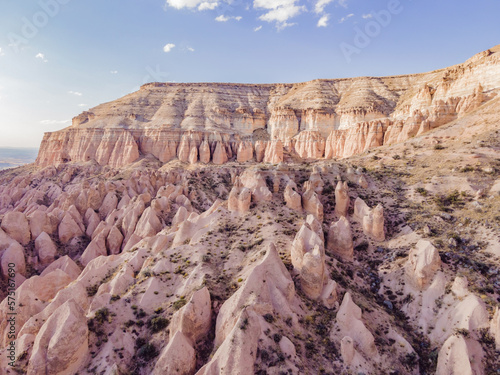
{"x": 216, "y": 122}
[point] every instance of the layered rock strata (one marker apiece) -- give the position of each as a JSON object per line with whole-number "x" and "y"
{"x": 219, "y": 122}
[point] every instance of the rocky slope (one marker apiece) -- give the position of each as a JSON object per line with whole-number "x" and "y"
{"x": 385, "y": 262}
{"x": 319, "y": 119}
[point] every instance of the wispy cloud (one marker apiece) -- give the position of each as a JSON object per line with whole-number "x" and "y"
{"x": 54, "y": 122}
{"x": 366, "y": 16}
{"x": 179, "y": 4}
{"x": 1, "y": 52}
{"x": 279, "y": 11}
{"x": 41, "y": 56}
{"x": 323, "y": 21}
{"x": 257, "y": 28}
{"x": 82, "y": 105}
{"x": 208, "y": 5}
{"x": 76, "y": 93}
{"x": 319, "y": 7}
{"x": 223, "y": 18}
{"x": 190, "y": 49}
{"x": 168, "y": 47}
{"x": 343, "y": 19}
{"x": 114, "y": 72}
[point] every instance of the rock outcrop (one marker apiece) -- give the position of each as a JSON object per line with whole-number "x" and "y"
{"x": 342, "y": 200}
{"x": 454, "y": 358}
{"x": 17, "y": 227}
{"x": 239, "y": 198}
{"x": 61, "y": 346}
{"x": 255, "y": 182}
{"x": 292, "y": 198}
{"x": 372, "y": 220}
{"x": 350, "y": 323}
{"x": 316, "y": 119}
{"x": 423, "y": 262}
{"x": 340, "y": 239}
{"x": 311, "y": 202}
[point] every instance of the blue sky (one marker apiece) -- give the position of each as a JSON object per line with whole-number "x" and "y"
{"x": 61, "y": 57}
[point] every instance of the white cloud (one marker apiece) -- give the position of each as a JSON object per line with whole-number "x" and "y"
{"x": 257, "y": 28}
{"x": 279, "y": 11}
{"x": 366, "y": 16}
{"x": 190, "y": 49}
{"x": 114, "y": 72}
{"x": 179, "y": 4}
{"x": 54, "y": 122}
{"x": 319, "y": 7}
{"x": 75, "y": 93}
{"x": 1, "y": 52}
{"x": 82, "y": 105}
{"x": 282, "y": 14}
{"x": 343, "y": 19}
{"x": 223, "y": 18}
{"x": 207, "y": 5}
{"x": 168, "y": 47}
{"x": 41, "y": 56}
{"x": 323, "y": 21}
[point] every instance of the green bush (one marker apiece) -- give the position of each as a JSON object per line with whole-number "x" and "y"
{"x": 101, "y": 315}
{"x": 179, "y": 303}
{"x": 147, "y": 352}
{"x": 157, "y": 323}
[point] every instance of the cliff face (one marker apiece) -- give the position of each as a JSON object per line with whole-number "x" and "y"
{"x": 203, "y": 122}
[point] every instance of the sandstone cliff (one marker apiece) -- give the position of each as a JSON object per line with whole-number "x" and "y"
{"x": 218, "y": 122}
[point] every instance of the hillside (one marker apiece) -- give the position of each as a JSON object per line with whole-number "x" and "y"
{"x": 159, "y": 235}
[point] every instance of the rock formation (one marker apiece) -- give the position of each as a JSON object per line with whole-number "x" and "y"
{"x": 338, "y": 118}
{"x": 371, "y": 219}
{"x": 340, "y": 239}
{"x": 149, "y": 237}
{"x": 423, "y": 262}
{"x": 351, "y": 324}
{"x": 292, "y": 198}
{"x": 342, "y": 200}
{"x": 311, "y": 202}
{"x": 239, "y": 198}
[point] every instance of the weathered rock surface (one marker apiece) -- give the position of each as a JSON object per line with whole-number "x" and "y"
{"x": 45, "y": 248}
{"x": 239, "y": 198}
{"x": 17, "y": 227}
{"x": 372, "y": 220}
{"x": 423, "y": 262}
{"x": 255, "y": 182}
{"x": 340, "y": 239}
{"x": 311, "y": 203}
{"x": 139, "y": 290}
{"x": 178, "y": 357}
{"x": 69, "y": 229}
{"x": 453, "y": 357}
{"x": 61, "y": 346}
{"x": 193, "y": 320}
{"x": 338, "y": 118}
{"x": 373, "y": 223}
{"x": 292, "y": 198}
{"x": 350, "y": 323}
{"x": 342, "y": 200}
